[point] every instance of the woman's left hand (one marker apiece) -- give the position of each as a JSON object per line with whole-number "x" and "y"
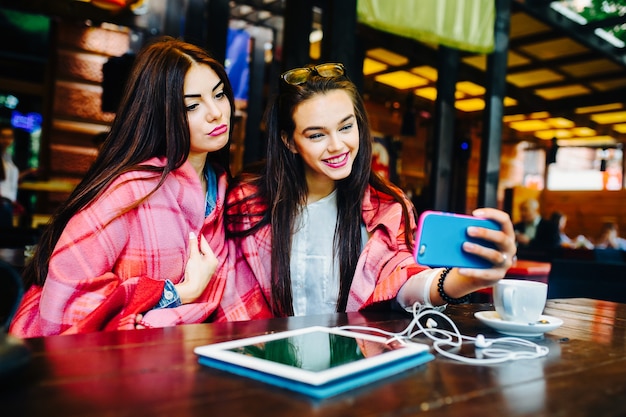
{"x": 502, "y": 257}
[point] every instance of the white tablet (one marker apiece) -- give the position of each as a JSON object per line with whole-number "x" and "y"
{"x": 317, "y": 361}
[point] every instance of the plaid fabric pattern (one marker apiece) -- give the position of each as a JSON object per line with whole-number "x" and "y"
{"x": 107, "y": 268}
{"x": 383, "y": 267}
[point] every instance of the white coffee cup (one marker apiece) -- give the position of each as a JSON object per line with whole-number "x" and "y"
{"x": 520, "y": 300}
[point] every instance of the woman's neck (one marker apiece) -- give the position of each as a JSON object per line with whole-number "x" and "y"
{"x": 318, "y": 190}
{"x": 198, "y": 162}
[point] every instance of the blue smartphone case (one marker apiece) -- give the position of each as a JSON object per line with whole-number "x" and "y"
{"x": 440, "y": 236}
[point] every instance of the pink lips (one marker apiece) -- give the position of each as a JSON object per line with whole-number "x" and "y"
{"x": 337, "y": 161}
{"x": 220, "y": 130}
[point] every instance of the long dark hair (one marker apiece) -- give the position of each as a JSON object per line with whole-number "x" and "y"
{"x": 283, "y": 189}
{"x": 151, "y": 121}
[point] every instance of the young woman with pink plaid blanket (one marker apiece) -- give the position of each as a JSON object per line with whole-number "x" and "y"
{"x": 140, "y": 242}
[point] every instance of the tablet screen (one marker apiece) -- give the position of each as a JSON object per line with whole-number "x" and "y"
{"x": 314, "y": 355}
{"x": 315, "y": 351}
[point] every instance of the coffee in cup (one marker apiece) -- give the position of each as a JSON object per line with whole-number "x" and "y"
{"x": 519, "y": 300}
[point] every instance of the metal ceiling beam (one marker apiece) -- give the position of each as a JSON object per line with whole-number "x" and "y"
{"x": 542, "y": 11}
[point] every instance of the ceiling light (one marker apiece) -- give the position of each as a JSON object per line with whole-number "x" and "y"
{"x": 609, "y": 118}
{"x": 470, "y": 88}
{"x": 371, "y": 66}
{"x": 554, "y": 48}
{"x": 536, "y": 77}
{"x": 609, "y": 84}
{"x": 583, "y": 131}
{"x": 560, "y": 122}
{"x": 388, "y": 57}
{"x": 513, "y": 118}
{"x": 561, "y": 92}
{"x": 539, "y": 115}
{"x": 401, "y": 80}
{"x": 553, "y": 133}
{"x": 529, "y": 125}
{"x": 508, "y": 101}
{"x": 591, "y": 141}
{"x": 591, "y": 67}
{"x": 426, "y": 71}
{"x": 429, "y": 93}
{"x": 472, "y": 104}
{"x": 620, "y": 127}
{"x": 600, "y": 108}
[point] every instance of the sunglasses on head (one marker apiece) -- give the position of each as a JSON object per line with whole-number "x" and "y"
{"x": 298, "y": 76}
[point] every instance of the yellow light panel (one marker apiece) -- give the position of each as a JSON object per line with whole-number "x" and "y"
{"x": 470, "y": 88}
{"x": 600, "y": 108}
{"x": 609, "y": 84}
{"x": 560, "y": 122}
{"x": 553, "y": 133}
{"x": 536, "y": 77}
{"x": 524, "y": 25}
{"x": 471, "y": 104}
{"x": 508, "y": 101}
{"x": 539, "y": 115}
{"x": 555, "y": 48}
{"x": 609, "y": 118}
{"x": 429, "y": 93}
{"x": 591, "y": 67}
{"x": 426, "y": 71}
{"x": 480, "y": 61}
{"x": 560, "y": 92}
{"x": 583, "y": 131}
{"x": 371, "y": 66}
{"x": 515, "y": 59}
{"x": 401, "y": 80}
{"x": 591, "y": 141}
{"x": 388, "y": 57}
{"x": 529, "y": 125}
{"x": 513, "y": 118}
{"x": 477, "y": 61}
{"x": 620, "y": 128}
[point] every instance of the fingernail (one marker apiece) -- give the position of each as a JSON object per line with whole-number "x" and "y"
{"x": 192, "y": 235}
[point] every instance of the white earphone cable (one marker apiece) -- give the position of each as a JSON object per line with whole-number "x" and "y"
{"x": 486, "y": 351}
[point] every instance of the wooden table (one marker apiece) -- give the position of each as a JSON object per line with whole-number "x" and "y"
{"x": 155, "y": 373}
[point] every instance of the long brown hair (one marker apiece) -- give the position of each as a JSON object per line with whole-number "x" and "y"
{"x": 151, "y": 121}
{"x": 283, "y": 190}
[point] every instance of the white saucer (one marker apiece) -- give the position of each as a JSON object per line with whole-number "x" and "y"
{"x": 492, "y": 319}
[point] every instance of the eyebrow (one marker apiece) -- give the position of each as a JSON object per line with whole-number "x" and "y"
{"x": 345, "y": 119}
{"x": 218, "y": 85}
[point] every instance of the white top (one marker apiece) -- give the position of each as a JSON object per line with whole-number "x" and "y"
{"x": 314, "y": 268}
{"x": 8, "y": 187}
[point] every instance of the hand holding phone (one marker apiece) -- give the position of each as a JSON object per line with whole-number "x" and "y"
{"x": 440, "y": 237}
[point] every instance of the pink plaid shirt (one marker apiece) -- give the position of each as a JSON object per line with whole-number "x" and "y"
{"x": 102, "y": 272}
{"x": 383, "y": 267}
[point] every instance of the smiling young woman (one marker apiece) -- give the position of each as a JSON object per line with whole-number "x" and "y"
{"x": 317, "y": 231}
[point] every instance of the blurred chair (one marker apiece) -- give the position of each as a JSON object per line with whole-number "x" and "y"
{"x": 609, "y": 255}
{"x": 571, "y": 278}
{"x": 19, "y": 237}
{"x": 13, "y": 352}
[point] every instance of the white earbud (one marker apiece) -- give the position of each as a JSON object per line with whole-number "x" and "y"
{"x": 481, "y": 342}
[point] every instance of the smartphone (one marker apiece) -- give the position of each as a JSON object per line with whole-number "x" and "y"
{"x": 440, "y": 237}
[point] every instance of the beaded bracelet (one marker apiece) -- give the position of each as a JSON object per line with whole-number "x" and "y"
{"x": 445, "y": 297}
